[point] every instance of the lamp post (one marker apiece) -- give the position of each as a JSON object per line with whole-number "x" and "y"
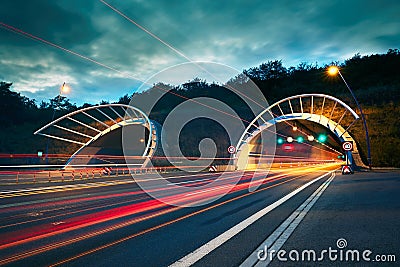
{"x": 334, "y": 70}
{"x": 63, "y": 89}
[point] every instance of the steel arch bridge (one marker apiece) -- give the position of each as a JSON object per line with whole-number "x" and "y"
{"x": 326, "y": 110}
{"x": 86, "y": 126}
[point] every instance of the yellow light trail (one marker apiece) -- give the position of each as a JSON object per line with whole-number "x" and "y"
{"x": 304, "y": 171}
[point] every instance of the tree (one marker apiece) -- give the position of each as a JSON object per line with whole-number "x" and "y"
{"x": 270, "y": 70}
{"x": 14, "y": 108}
{"x": 125, "y": 99}
{"x": 86, "y": 105}
{"x": 62, "y": 103}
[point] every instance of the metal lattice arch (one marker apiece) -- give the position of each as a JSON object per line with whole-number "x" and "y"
{"x": 86, "y": 126}
{"x": 323, "y": 109}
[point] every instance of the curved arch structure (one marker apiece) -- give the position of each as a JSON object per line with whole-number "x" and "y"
{"x": 319, "y": 108}
{"x": 88, "y": 125}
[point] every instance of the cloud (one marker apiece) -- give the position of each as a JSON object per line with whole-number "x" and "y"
{"x": 237, "y": 33}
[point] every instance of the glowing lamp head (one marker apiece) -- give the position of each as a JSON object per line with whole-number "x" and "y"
{"x": 289, "y": 139}
{"x": 65, "y": 89}
{"x": 333, "y": 70}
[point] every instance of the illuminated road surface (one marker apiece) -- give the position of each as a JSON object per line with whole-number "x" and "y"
{"x": 115, "y": 223}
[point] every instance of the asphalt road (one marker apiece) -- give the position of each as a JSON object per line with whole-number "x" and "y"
{"x": 103, "y": 223}
{"x": 364, "y": 211}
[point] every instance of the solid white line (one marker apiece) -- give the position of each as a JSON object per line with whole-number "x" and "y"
{"x": 277, "y": 239}
{"x": 205, "y": 249}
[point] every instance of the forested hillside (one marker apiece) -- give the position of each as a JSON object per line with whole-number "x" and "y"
{"x": 375, "y": 80}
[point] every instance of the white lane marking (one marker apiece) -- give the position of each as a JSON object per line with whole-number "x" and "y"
{"x": 128, "y": 180}
{"x": 209, "y": 189}
{"x": 205, "y": 249}
{"x": 192, "y": 181}
{"x": 57, "y": 188}
{"x": 66, "y": 186}
{"x": 278, "y": 238}
{"x": 57, "y": 223}
{"x": 222, "y": 186}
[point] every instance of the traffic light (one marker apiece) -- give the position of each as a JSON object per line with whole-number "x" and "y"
{"x": 280, "y": 141}
{"x": 322, "y": 138}
{"x": 300, "y": 139}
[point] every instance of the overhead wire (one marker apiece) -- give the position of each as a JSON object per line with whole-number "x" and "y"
{"x": 119, "y": 12}
{"x": 125, "y": 74}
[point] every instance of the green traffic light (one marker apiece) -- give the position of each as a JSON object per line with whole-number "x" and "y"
{"x": 280, "y": 141}
{"x": 300, "y": 139}
{"x": 322, "y": 138}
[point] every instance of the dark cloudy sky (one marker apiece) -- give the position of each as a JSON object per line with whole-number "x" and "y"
{"x": 241, "y": 34}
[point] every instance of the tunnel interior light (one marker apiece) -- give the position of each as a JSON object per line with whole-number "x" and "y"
{"x": 300, "y": 139}
{"x": 322, "y": 138}
{"x": 280, "y": 141}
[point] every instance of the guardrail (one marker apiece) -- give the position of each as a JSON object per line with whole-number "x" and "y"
{"x": 44, "y": 175}
{"x": 56, "y": 173}
{"x": 36, "y": 176}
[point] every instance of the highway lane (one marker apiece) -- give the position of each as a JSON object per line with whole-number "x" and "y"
{"x": 361, "y": 210}
{"x": 103, "y": 223}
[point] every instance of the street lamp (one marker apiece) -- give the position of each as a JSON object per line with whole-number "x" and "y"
{"x": 63, "y": 89}
{"x": 334, "y": 70}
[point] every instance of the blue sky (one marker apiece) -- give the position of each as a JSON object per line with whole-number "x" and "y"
{"x": 240, "y": 34}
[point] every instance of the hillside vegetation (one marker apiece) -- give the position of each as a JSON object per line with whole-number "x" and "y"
{"x": 375, "y": 80}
